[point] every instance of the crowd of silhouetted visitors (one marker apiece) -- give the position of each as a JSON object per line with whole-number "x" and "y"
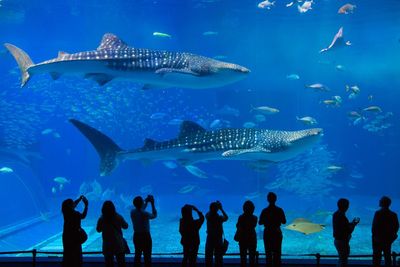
{"x": 384, "y": 232}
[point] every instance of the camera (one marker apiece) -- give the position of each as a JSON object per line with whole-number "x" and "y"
{"x": 149, "y": 198}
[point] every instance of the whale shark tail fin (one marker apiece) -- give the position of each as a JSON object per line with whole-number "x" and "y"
{"x": 105, "y": 147}
{"x": 23, "y": 60}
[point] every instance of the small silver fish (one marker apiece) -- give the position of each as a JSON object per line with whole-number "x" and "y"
{"x": 196, "y": 171}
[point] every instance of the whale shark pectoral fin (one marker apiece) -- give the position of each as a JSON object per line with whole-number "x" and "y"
{"x": 236, "y": 152}
{"x": 100, "y": 78}
{"x": 55, "y": 75}
{"x": 166, "y": 71}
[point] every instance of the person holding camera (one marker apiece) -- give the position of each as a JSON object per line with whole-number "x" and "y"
{"x": 215, "y": 231}
{"x": 141, "y": 229}
{"x": 190, "y": 238}
{"x": 73, "y": 235}
{"x": 342, "y": 230}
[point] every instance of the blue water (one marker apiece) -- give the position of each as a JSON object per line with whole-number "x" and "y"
{"x": 272, "y": 43}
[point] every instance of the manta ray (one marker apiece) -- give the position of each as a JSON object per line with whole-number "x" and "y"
{"x": 114, "y": 59}
{"x": 195, "y": 144}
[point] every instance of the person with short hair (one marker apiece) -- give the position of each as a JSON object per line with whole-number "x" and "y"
{"x": 110, "y": 225}
{"x": 246, "y": 234}
{"x": 215, "y": 231}
{"x": 384, "y": 232}
{"x": 190, "y": 238}
{"x": 73, "y": 235}
{"x": 141, "y": 229}
{"x": 272, "y": 217}
{"x": 342, "y": 230}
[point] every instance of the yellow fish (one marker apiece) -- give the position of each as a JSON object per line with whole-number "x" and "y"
{"x": 305, "y": 226}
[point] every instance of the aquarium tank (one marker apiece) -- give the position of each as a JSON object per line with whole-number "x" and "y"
{"x": 194, "y": 101}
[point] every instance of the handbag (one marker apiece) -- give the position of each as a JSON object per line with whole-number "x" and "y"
{"x": 82, "y": 235}
{"x": 225, "y": 245}
{"x": 127, "y": 250}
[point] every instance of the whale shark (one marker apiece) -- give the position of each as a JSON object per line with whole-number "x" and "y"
{"x": 196, "y": 144}
{"x": 114, "y": 59}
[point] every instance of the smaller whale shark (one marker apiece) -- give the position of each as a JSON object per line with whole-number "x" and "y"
{"x": 114, "y": 59}
{"x": 194, "y": 144}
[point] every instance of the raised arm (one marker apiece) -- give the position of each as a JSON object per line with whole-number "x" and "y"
{"x": 76, "y": 202}
{"x": 85, "y": 210}
{"x": 200, "y": 214}
{"x": 224, "y": 215}
{"x": 153, "y": 213}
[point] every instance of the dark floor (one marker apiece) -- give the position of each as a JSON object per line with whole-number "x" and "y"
{"x": 98, "y": 261}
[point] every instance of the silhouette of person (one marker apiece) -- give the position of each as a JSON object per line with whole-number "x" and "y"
{"x": 72, "y": 232}
{"x": 246, "y": 234}
{"x": 272, "y": 217}
{"x": 214, "y": 241}
{"x": 190, "y": 238}
{"x": 384, "y": 232}
{"x": 110, "y": 225}
{"x": 141, "y": 229}
{"x": 342, "y": 230}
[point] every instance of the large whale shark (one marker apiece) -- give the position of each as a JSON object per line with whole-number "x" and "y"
{"x": 194, "y": 144}
{"x": 115, "y": 59}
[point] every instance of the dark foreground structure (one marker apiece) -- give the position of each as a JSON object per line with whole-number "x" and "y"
{"x": 95, "y": 259}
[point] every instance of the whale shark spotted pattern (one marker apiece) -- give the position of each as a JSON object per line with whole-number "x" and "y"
{"x": 195, "y": 144}
{"x": 115, "y": 59}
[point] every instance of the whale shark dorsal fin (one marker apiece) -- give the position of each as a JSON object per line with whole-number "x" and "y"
{"x": 149, "y": 143}
{"x": 189, "y": 128}
{"x": 111, "y": 41}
